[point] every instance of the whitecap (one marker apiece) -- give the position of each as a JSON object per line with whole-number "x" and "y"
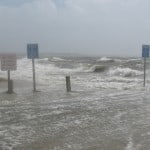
{"x": 125, "y": 72}
{"x": 105, "y": 59}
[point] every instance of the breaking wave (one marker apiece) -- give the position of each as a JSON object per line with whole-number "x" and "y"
{"x": 99, "y": 75}
{"x": 55, "y": 59}
{"x": 125, "y": 72}
{"x": 98, "y": 68}
{"x": 105, "y": 59}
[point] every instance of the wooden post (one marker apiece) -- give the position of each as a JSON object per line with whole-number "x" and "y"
{"x": 68, "y": 84}
{"x": 34, "y": 82}
{"x": 10, "y": 84}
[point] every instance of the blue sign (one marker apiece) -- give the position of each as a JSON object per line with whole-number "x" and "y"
{"x": 32, "y": 51}
{"x": 145, "y": 50}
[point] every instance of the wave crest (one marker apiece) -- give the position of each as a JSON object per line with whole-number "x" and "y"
{"x": 98, "y": 68}
{"x": 105, "y": 59}
{"x": 125, "y": 72}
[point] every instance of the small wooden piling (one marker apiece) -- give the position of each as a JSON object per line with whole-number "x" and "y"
{"x": 68, "y": 84}
{"x": 10, "y": 87}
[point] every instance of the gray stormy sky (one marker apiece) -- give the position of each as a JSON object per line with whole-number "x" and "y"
{"x": 93, "y": 27}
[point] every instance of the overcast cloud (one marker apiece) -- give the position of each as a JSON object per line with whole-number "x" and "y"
{"x": 96, "y": 27}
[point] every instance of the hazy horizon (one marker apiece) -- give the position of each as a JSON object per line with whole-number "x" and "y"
{"x": 97, "y": 28}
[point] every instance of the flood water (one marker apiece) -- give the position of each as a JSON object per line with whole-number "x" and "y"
{"x": 106, "y": 110}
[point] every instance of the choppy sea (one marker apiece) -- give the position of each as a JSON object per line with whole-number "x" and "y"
{"x": 108, "y": 108}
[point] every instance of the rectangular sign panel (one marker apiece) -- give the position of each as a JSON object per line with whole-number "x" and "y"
{"x": 145, "y": 50}
{"x": 32, "y": 51}
{"x": 8, "y": 62}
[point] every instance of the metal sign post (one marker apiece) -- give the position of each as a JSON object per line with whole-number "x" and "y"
{"x": 10, "y": 84}
{"x": 32, "y": 53}
{"x": 34, "y": 81}
{"x": 144, "y": 71}
{"x": 145, "y": 54}
{"x": 8, "y": 80}
{"x": 8, "y": 63}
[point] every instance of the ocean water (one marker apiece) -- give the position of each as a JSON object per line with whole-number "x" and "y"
{"x": 108, "y": 108}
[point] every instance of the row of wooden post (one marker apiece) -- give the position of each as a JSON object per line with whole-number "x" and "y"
{"x": 10, "y": 84}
